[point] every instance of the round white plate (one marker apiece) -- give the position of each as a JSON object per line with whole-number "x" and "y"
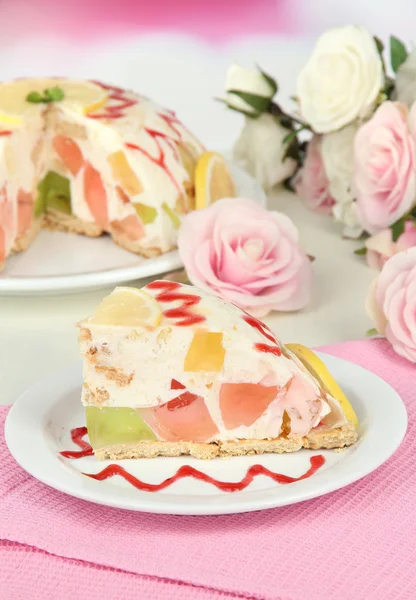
{"x": 38, "y": 428}
{"x": 61, "y": 263}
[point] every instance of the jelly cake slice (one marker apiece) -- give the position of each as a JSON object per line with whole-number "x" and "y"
{"x": 170, "y": 370}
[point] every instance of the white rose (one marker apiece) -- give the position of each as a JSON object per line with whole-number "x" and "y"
{"x": 346, "y": 214}
{"x": 406, "y": 80}
{"x": 337, "y": 150}
{"x": 248, "y": 81}
{"x": 260, "y": 150}
{"x": 342, "y": 79}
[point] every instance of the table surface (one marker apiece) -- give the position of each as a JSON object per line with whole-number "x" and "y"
{"x": 38, "y": 334}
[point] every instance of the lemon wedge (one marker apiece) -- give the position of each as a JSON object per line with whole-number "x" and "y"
{"x": 316, "y": 367}
{"x": 128, "y": 307}
{"x": 13, "y": 104}
{"x": 213, "y": 180}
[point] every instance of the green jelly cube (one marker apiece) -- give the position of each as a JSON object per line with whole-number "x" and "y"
{"x": 54, "y": 191}
{"x": 172, "y": 215}
{"x": 110, "y": 426}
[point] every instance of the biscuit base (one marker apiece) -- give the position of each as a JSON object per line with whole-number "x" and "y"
{"x": 55, "y": 220}
{"x": 316, "y": 440}
{"x": 22, "y": 242}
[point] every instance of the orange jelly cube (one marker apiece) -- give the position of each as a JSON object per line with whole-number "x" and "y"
{"x": 206, "y": 352}
{"x": 244, "y": 403}
{"x": 124, "y": 174}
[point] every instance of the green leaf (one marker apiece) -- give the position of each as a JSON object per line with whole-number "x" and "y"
{"x": 272, "y": 82}
{"x": 34, "y": 97}
{"x": 259, "y": 103}
{"x": 288, "y": 185}
{"x": 290, "y": 137}
{"x": 398, "y": 228}
{"x": 361, "y": 251}
{"x": 371, "y": 332}
{"x": 54, "y": 94}
{"x": 239, "y": 110}
{"x": 379, "y": 44}
{"x": 275, "y": 110}
{"x": 398, "y": 53}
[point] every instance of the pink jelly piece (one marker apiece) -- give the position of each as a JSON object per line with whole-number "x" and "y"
{"x": 185, "y": 418}
{"x": 95, "y": 195}
{"x": 69, "y": 152}
{"x": 244, "y": 403}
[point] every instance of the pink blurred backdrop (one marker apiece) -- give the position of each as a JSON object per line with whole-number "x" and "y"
{"x": 215, "y": 20}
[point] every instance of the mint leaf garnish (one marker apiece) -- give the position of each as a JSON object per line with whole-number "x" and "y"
{"x": 54, "y": 94}
{"x": 34, "y": 97}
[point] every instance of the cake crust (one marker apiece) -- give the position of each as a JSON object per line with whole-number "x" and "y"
{"x": 334, "y": 438}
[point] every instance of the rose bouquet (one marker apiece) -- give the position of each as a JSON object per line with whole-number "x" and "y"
{"x": 357, "y": 161}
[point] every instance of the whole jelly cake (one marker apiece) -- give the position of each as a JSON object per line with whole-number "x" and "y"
{"x": 90, "y": 158}
{"x": 170, "y": 370}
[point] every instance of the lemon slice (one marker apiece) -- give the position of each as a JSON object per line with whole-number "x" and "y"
{"x": 13, "y": 104}
{"x": 128, "y": 307}
{"x": 213, "y": 180}
{"x": 317, "y": 368}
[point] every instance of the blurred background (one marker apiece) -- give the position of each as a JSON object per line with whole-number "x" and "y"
{"x": 177, "y": 51}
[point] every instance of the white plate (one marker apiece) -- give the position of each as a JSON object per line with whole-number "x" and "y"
{"x": 38, "y": 427}
{"x": 61, "y": 263}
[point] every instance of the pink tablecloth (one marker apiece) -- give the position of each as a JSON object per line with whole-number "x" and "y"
{"x": 358, "y": 543}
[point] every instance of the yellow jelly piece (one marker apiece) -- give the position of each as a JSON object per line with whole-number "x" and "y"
{"x": 206, "y": 352}
{"x": 146, "y": 213}
{"x": 124, "y": 174}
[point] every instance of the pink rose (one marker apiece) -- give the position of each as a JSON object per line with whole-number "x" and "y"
{"x": 380, "y": 247}
{"x": 391, "y": 303}
{"x": 247, "y": 255}
{"x": 384, "y": 176}
{"x": 311, "y": 182}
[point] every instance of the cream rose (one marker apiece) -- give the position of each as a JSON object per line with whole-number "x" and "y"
{"x": 260, "y": 150}
{"x": 342, "y": 79}
{"x": 258, "y": 88}
{"x": 337, "y": 149}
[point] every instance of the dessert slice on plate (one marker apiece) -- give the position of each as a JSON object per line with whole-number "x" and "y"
{"x": 171, "y": 370}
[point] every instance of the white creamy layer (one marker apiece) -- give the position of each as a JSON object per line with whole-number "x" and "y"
{"x": 154, "y": 358}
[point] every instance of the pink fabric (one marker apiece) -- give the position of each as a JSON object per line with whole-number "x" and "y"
{"x": 357, "y": 543}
